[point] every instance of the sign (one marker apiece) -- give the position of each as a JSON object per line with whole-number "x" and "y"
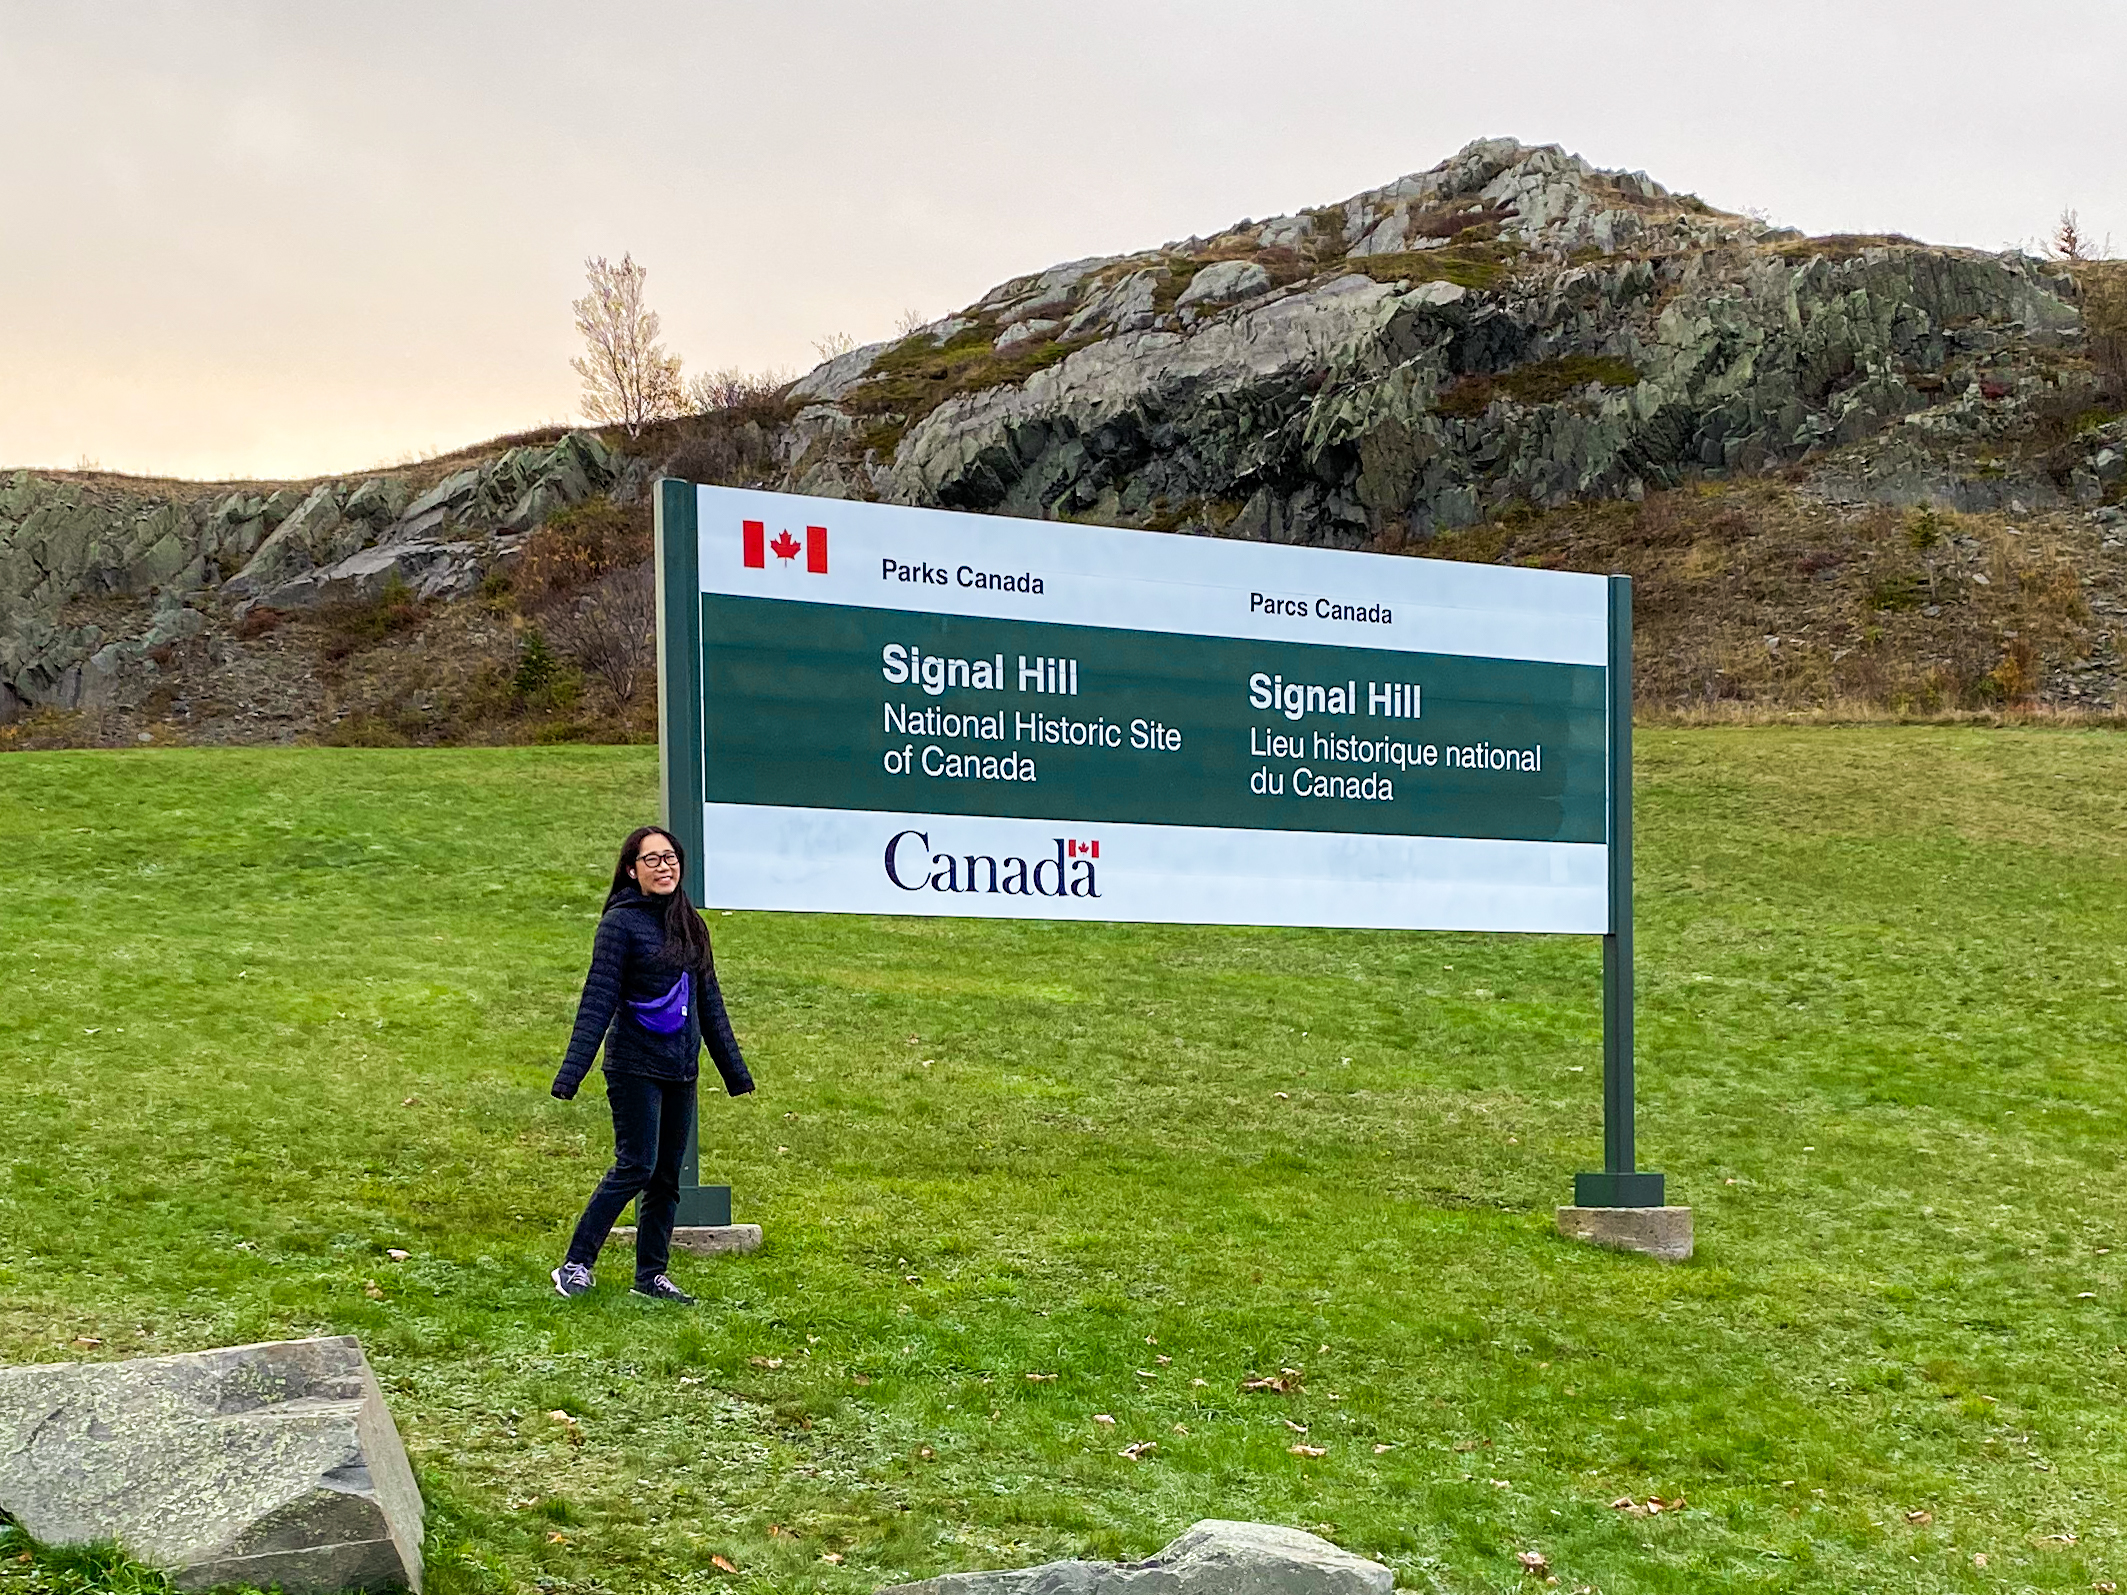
{"x": 917, "y": 711}
{"x": 867, "y": 708}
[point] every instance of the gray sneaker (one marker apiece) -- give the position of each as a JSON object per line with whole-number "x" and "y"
{"x": 661, "y": 1288}
{"x": 572, "y": 1279}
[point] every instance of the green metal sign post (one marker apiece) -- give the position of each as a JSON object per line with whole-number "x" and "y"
{"x": 1619, "y": 1184}
{"x": 679, "y": 758}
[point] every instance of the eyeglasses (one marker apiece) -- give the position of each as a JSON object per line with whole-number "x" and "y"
{"x": 658, "y": 860}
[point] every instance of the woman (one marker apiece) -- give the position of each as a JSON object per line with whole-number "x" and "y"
{"x": 652, "y": 998}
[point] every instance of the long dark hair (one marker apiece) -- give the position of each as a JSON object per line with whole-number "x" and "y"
{"x": 686, "y": 936}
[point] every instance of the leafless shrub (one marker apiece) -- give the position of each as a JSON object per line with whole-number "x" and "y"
{"x": 910, "y": 321}
{"x": 835, "y": 343}
{"x": 2068, "y": 242}
{"x": 732, "y": 389}
{"x": 611, "y": 631}
{"x": 576, "y": 547}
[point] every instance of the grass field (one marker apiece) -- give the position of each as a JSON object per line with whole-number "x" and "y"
{"x": 270, "y": 1013}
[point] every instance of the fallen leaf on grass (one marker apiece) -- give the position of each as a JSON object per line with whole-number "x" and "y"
{"x": 1920, "y": 1517}
{"x": 913, "y": 1279}
{"x": 718, "y": 1561}
{"x": 1181, "y": 1428}
{"x": 1308, "y": 1450}
{"x": 1140, "y": 1450}
{"x": 1165, "y": 1361}
{"x": 926, "y": 1453}
{"x": 1979, "y": 1558}
{"x": 1200, "y": 1384}
{"x": 2058, "y": 1539}
{"x": 1502, "y": 1484}
{"x": 396, "y": 1254}
{"x": 87, "y": 1340}
{"x": 409, "y": 1101}
{"x": 765, "y": 1362}
{"x": 688, "y": 1379}
{"x": 860, "y": 1379}
{"x": 1144, "y": 1373}
{"x": 831, "y": 1558}
{"x": 1285, "y": 1381}
{"x": 557, "y": 1538}
{"x": 1281, "y": 1096}
{"x": 1102, "y": 1417}
{"x": 1039, "y": 1378}
{"x": 1533, "y": 1562}
{"x": 1383, "y": 1447}
{"x": 372, "y": 1290}
{"x": 1297, "y": 1428}
{"x": 2105, "y": 1586}
{"x": 1469, "y": 1445}
{"x": 776, "y": 1531}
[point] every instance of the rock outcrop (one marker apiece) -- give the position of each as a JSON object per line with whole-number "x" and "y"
{"x": 268, "y": 1465}
{"x": 199, "y": 552}
{"x": 1210, "y": 1558}
{"x": 1505, "y": 338}
{"x": 1512, "y": 327}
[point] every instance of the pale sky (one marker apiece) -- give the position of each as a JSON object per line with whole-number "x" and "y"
{"x": 292, "y": 237}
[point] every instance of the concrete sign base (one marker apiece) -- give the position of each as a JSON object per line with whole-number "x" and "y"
{"x": 705, "y": 1240}
{"x": 1663, "y": 1232}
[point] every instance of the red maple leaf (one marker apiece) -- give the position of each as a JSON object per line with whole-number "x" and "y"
{"x": 785, "y": 546}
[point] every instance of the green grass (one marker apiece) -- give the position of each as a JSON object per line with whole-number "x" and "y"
{"x": 1477, "y": 266}
{"x": 1540, "y": 382}
{"x": 915, "y": 376}
{"x": 270, "y": 1013}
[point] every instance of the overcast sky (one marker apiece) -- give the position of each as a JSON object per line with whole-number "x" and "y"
{"x": 274, "y": 239}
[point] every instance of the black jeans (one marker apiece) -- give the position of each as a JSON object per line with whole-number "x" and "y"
{"x": 651, "y": 1119}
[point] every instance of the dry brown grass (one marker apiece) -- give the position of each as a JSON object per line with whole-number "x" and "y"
{"x": 2103, "y": 286}
{"x": 1756, "y": 601}
{"x": 576, "y": 547}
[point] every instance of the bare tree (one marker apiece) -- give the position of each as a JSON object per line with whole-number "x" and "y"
{"x": 611, "y": 631}
{"x": 835, "y": 343}
{"x": 2068, "y": 242}
{"x": 628, "y": 378}
{"x": 909, "y": 322}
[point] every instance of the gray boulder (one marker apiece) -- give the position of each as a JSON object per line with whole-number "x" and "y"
{"x": 272, "y": 1464}
{"x": 1126, "y": 305}
{"x": 429, "y": 570}
{"x": 837, "y": 376}
{"x": 1025, "y": 332}
{"x": 310, "y": 536}
{"x": 1224, "y": 281}
{"x": 1213, "y": 1557}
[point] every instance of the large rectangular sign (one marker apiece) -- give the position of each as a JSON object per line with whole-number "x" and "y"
{"x": 917, "y": 711}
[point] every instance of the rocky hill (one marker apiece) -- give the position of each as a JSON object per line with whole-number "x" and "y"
{"x": 1859, "y": 473}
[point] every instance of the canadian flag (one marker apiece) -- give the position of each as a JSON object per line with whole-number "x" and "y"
{"x": 1085, "y": 850}
{"x": 785, "y": 547}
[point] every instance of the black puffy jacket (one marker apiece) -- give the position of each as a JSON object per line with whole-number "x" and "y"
{"x": 626, "y": 967}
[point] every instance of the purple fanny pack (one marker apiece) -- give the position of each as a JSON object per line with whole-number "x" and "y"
{"x": 667, "y": 1014}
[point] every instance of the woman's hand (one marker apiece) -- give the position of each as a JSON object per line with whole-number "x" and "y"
{"x": 563, "y": 1095}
